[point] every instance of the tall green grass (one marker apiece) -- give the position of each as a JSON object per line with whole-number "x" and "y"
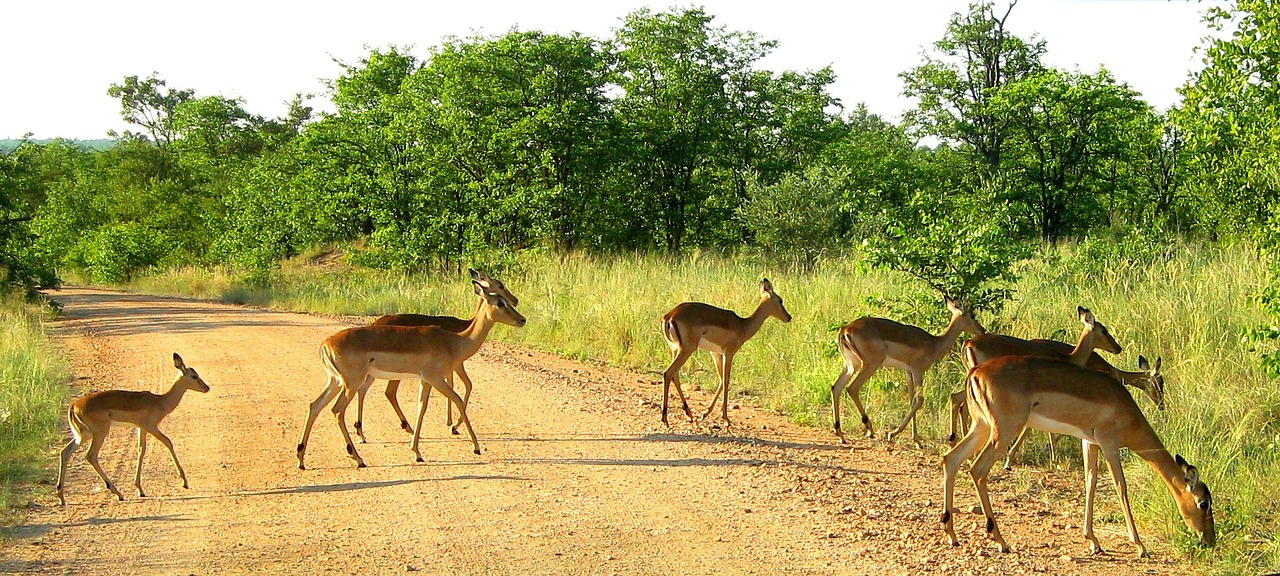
{"x": 33, "y": 378}
{"x": 1189, "y": 305}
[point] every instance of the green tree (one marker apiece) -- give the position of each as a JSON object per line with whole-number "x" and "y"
{"x": 1230, "y": 119}
{"x": 150, "y": 104}
{"x": 975, "y": 58}
{"x": 1063, "y": 132}
{"x": 676, "y": 74}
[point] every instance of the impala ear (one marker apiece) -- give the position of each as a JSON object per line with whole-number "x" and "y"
{"x": 178, "y": 363}
{"x": 478, "y": 287}
{"x": 1142, "y": 364}
{"x": 766, "y": 285}
{"x": 1085, "y": 315}
{"x": 476, "y": 274}
{"x": 1157, "y": 364}
{"x": 953, "y": 304}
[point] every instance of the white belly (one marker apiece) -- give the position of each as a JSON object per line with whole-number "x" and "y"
{"x": 710, "y": 346}
{"x": 1040, "y": 422}
{"x": 385, "y": 375}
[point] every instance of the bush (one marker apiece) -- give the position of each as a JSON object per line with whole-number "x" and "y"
{"x": 799, "y": 218}
{"x": 114, "y": 253}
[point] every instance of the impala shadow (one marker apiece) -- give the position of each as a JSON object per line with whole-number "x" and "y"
{"x": 37, "y": 530}
{"x": 344, "y": 487}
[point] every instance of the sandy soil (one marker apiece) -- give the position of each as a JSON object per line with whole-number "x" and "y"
{"x": 577, "y": 475}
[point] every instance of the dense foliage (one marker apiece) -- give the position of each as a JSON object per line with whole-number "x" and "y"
{"x": 667, "y": 136}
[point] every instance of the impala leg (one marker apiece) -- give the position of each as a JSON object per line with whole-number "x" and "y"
{"x": 359, "y": 424}
{"x": 959, "y": 415}
{"x": 424, "y": 395}
{"x": 1013, "y": 450}
{"x": 980, "y": 472}
{"x": 155, "y": 431}
{"x": 340, "y": 413}
{"x": 1091, "y": 452}
{"x": 466, "y": 398}
{"x": 836, "y": 390}
{"x": 978, "y": 436}
{"x": 1122, "y": 488}
{"x": 142, "y": 451}
{"x": 393, "y": 388}
{"x": 672, "y": 376}
{"x": 92, "y": 456}
{"x": 463, "y": 419}
{"x": 720, "y": 362}
{"x": 330, "y": 392}
{"x": 727, "y": 365}
{"x": 855, "y": 390}
{"x": 914, "y": 381}
{"x": 67, "y": 451}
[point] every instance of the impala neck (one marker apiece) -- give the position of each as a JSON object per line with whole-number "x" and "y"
{"x": 755, "y": 321}
{"x": 944, "y": 342}
{"x": 1162, "y": 462}
{"x": 1080, "y": 354}
{"x": 170, "y": 399}
{"x": 476, "y": 332}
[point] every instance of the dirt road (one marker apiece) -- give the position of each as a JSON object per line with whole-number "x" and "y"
{"x": 577, "y": 475}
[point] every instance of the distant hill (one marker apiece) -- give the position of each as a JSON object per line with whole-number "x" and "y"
{"x": 11, "y": 144}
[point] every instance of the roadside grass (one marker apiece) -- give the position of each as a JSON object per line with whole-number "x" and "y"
{"x": 33, "y": 376}
{"x": 1189, "y": 306}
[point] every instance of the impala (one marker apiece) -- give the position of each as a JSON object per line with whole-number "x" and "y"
{"x": 92, "y": 416}
{"x": 355, "y": 356}
{"x": 448, "y": 323}
{"x": 1011, "y": 393}
{"x": 869, "y": 343}
{"x": 693, "y": 325}
{"x": 1095, "y": 336}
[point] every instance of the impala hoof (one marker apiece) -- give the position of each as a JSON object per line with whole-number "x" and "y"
{"x": 455, "y": 431}
{"x": 477, "y": 451}
{"x": 361, "y": 465}
{"x": 419, "y": 460}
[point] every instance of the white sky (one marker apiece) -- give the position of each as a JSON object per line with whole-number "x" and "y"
{"x": 59, "y": 57}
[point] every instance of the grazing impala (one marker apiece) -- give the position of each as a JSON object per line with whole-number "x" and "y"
{"x": 868, "y": 343}
{"x": 1094, "y": 336}
{"x": 92, "y": 416}
{"x": 448, "y": 323}
{"x": 1011, "y": 393}
{"x": 355, "y": 356}
{"x": 693, "y": 325}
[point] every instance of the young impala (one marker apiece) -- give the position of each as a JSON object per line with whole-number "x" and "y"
{"x": 448, "y": 323}
{"x": 693, "y": 325}
{"x": 1095, "y": 336}
{"x": 869, "y": 343}
{"x": 355, "y": 356}
{"x": 92, "y": 416}
{"x": 1011, "y": 393}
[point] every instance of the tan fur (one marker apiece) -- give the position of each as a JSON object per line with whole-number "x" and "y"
{"x": 449, "y": 323}
{"x": 355, "y": 356}
{"x": 1010, "y": 393}
{"x": 92, "y": 415}
{"x": 869, "y": 343}
{"x": 693, "y": 325}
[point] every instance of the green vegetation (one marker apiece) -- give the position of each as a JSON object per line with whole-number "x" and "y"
{"x": 1188, "y": 306}
{"x": 608, "y": 179}
{"x": 32, "y": 390}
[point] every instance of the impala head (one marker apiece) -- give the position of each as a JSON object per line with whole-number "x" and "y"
{"x": 189, "y": 377}
{"x": 497, "y": 306}
{"x": 962, "y": 315}
{"x": 1096, "y": 333}
{"x": 768, "y": 296}
{"x": 1195, "y": 503}
{"x": 1155, "y": 381}
{"x": 494, "y": 285}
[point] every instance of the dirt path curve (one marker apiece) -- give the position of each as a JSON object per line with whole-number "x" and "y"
{"x": 577, "y": 475}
